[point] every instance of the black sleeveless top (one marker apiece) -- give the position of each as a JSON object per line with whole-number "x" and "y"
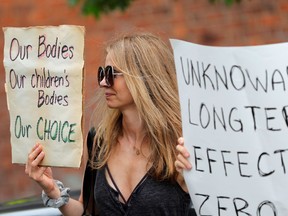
{"x": 150, "y": 197}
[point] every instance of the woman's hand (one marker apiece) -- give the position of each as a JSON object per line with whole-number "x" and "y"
{"x": 42, "y": 175}
{"x": 182, "y": 162}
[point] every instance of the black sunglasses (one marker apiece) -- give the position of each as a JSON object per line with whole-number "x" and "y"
{"x": 109, "y": 73}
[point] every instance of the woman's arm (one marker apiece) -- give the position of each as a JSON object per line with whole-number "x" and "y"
{"x": 73, "y": 207}
{"x": 43, "y": 176}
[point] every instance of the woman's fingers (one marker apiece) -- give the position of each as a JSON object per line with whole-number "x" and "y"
{"x": 182, "y": 157}
{"x": 32, "y": 167}
{"x": 42, "y": 175}
{"x": 181, "y": 141}
{"x": 179, "y": 166}
{"x": 36, "y": 150}
{"x": 185, "y": 164}
{"x": 182, "y": 150}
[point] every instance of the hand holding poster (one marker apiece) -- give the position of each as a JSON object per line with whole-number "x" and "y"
{"x": 234, "y": 111}
{"x": 44, "y": 74}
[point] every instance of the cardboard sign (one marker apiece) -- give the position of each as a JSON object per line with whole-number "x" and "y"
{"x": 44, "y": 75}
{"x": 234, "y": 106}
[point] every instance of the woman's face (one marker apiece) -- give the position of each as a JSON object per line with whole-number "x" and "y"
{"x": 117, "y": 96}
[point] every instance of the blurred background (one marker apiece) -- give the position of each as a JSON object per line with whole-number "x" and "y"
{"x": 208, "y": 22}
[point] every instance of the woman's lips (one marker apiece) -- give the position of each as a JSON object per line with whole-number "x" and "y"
{"x": 107, "y": 94}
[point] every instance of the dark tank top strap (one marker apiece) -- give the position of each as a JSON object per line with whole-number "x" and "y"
{"x": 115, "y": 185}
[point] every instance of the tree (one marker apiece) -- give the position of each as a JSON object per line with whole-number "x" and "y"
{"x": 99, "y": 7}
{"x": 227, "y": 2}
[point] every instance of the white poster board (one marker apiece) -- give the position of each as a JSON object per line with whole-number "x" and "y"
{"x": 234, "y": 107}
{"x": 44, "y": 75}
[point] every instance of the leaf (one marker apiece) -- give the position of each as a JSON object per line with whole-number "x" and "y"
{"x": 227, "y": 2}
{"x": 98, "y": 7}
{"x": 73, "y": 2}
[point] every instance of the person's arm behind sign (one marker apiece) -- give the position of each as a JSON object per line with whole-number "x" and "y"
{"x": 43, "y": 176}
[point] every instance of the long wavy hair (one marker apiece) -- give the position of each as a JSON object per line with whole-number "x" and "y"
{"x": 147, "y": 64}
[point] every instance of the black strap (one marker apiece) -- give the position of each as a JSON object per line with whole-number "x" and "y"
{"x": 115, "y": 185}
{"x": 89, "y": 179}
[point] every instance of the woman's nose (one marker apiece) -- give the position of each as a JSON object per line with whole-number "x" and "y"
{"x": 103, "y": 83}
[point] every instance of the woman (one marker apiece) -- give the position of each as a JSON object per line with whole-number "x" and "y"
{"x": 135, "y": 142}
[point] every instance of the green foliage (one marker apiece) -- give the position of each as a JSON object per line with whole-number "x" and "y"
{"x": 98, "y": 7}
{"x": 227, "y": 2}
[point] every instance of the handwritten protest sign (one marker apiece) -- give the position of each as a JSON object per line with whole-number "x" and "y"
{"x": 44, "y": 73}
{"x": 234, "y": 107}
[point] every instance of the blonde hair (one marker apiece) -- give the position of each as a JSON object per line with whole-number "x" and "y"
{"x": 148, "y": 67}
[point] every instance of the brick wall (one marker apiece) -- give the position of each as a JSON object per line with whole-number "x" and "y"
{"x": 251, "y": 22}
